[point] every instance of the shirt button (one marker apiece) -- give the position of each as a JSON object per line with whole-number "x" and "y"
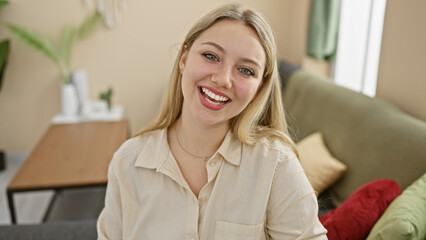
{"x": 212, "y": 163}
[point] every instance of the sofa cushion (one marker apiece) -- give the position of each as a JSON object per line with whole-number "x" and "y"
{"x": 357, "y": 215}
{"x": 372, "y": 138}
{"x": 320, "y": 167}
{"x": 405, "y": 218}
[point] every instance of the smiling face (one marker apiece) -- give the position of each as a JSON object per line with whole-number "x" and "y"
{"x": 221, "y": 73}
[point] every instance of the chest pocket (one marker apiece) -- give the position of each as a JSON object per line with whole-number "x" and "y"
{"x": 232, "y": 231}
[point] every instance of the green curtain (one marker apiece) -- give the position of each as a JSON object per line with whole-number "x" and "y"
{"x": 323, "y": 29}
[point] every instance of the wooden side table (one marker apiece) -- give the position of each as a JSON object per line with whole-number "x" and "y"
{"x": 69, "y": 156}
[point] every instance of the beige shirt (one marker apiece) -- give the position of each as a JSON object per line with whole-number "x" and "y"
{"x": 253, "y": 192}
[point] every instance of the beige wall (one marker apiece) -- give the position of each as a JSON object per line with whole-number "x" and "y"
{"x": 402, "y": 78}
{"x": 135, "y": 58}
{"x": 293, "y": 43}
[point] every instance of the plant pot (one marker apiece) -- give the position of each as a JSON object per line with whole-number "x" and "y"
{"x": 69, "y": 100}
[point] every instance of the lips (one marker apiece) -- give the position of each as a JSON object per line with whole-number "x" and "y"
{"x": 212, "y": 99}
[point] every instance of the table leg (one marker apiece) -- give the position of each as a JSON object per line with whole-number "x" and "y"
{"x": 11, "y": 206}
{"x": 52, "y": 201}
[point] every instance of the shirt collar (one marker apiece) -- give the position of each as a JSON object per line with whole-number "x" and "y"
{"x": 156, "y": 150}
{"x": 231, "y": 149}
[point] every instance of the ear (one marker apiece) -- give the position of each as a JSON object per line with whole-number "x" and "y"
{"x": 182, "y": 60}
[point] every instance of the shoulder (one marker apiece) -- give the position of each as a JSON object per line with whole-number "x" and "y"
{"x": 273, "y": 149}
{"x": 128, "y": 152}
{"x": 279, "y": 155}
{"x": 135, "y": 144}
{"x": 269, "y": 158}
{"x": 287, "y": 161}
{"x": 288, "y": 170}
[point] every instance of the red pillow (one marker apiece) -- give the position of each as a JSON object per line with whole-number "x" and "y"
{"x": 357, "y": 215}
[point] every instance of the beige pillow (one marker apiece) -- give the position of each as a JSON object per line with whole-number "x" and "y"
{"x": 320, "y": 167}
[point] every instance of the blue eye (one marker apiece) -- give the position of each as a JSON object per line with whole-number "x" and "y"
{"x": 247, "y": 71}
{"x": 210, "y": 56}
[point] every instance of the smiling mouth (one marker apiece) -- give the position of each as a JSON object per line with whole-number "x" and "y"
{"x": 213, "y": 98}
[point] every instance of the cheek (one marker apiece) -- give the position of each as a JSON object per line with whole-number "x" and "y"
{"x": 197, "y": 70}
{"x": 245, "y": 90}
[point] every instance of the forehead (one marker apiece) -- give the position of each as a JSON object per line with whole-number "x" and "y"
{"x": 236, "y": 38}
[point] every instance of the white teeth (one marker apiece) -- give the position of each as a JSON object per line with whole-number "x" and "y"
{"x": 214, "y": 96}
{"x": 215, "y": 103}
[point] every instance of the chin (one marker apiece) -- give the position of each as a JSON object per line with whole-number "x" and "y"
{"x": 211, "y": 120}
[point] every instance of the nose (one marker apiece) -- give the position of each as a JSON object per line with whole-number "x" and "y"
{"x": 223, "y": 77}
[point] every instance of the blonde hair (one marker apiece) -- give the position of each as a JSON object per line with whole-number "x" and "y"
{"x": 264, "y": 116}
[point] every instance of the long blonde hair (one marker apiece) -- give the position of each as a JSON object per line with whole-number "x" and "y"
{"x": 264, "y": 116}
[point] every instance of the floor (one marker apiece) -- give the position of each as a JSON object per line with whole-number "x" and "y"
{"x": 30, "y": 207}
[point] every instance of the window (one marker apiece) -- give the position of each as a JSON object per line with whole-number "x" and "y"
{"x": 359, "y": 43}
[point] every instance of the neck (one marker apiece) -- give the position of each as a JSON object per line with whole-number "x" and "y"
{"x": 199, "y": 140}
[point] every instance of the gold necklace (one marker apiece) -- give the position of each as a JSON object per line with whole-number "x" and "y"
{"x": 192, "y": 155}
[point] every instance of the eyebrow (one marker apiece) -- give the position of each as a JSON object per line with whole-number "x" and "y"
{"x": 215, "y": 45}
{"x": 220, "y": 48}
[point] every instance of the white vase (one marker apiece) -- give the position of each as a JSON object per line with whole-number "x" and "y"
{"x": 79, "y": 79}
{"x": 69, "y": 100}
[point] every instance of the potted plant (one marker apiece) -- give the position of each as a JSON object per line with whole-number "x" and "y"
{"x": 59, "y": 55}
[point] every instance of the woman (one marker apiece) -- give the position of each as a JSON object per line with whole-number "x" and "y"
{"x": 217, "y": 163}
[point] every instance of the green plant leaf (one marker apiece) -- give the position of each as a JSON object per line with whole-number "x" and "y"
{"x": 107, "y": 96}
{"x": 35, "y": 41}
{"x": 68, "y": 37}
{"x": 88, "y": 25}
{"x": 4, "y": 52}
{"x": 2, "y": 3}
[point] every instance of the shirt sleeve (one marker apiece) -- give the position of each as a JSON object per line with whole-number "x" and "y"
{"x": 109, "y": 225}
{"x": 293, "y": 208}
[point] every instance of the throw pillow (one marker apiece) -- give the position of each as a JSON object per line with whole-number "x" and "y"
{"x": 358, "y": 214}
{"x": 405, "y": 218}
{"x": 320, "y": 167}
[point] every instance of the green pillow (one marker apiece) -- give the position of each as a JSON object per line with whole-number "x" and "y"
{"x": 405, "y": 218}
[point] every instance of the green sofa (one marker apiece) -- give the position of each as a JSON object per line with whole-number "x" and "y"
{"x": 373, "y": 138}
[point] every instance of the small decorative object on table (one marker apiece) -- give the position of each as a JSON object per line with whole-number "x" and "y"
{"x": 100, "y": 110}
{"x": 107, "y": 96}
